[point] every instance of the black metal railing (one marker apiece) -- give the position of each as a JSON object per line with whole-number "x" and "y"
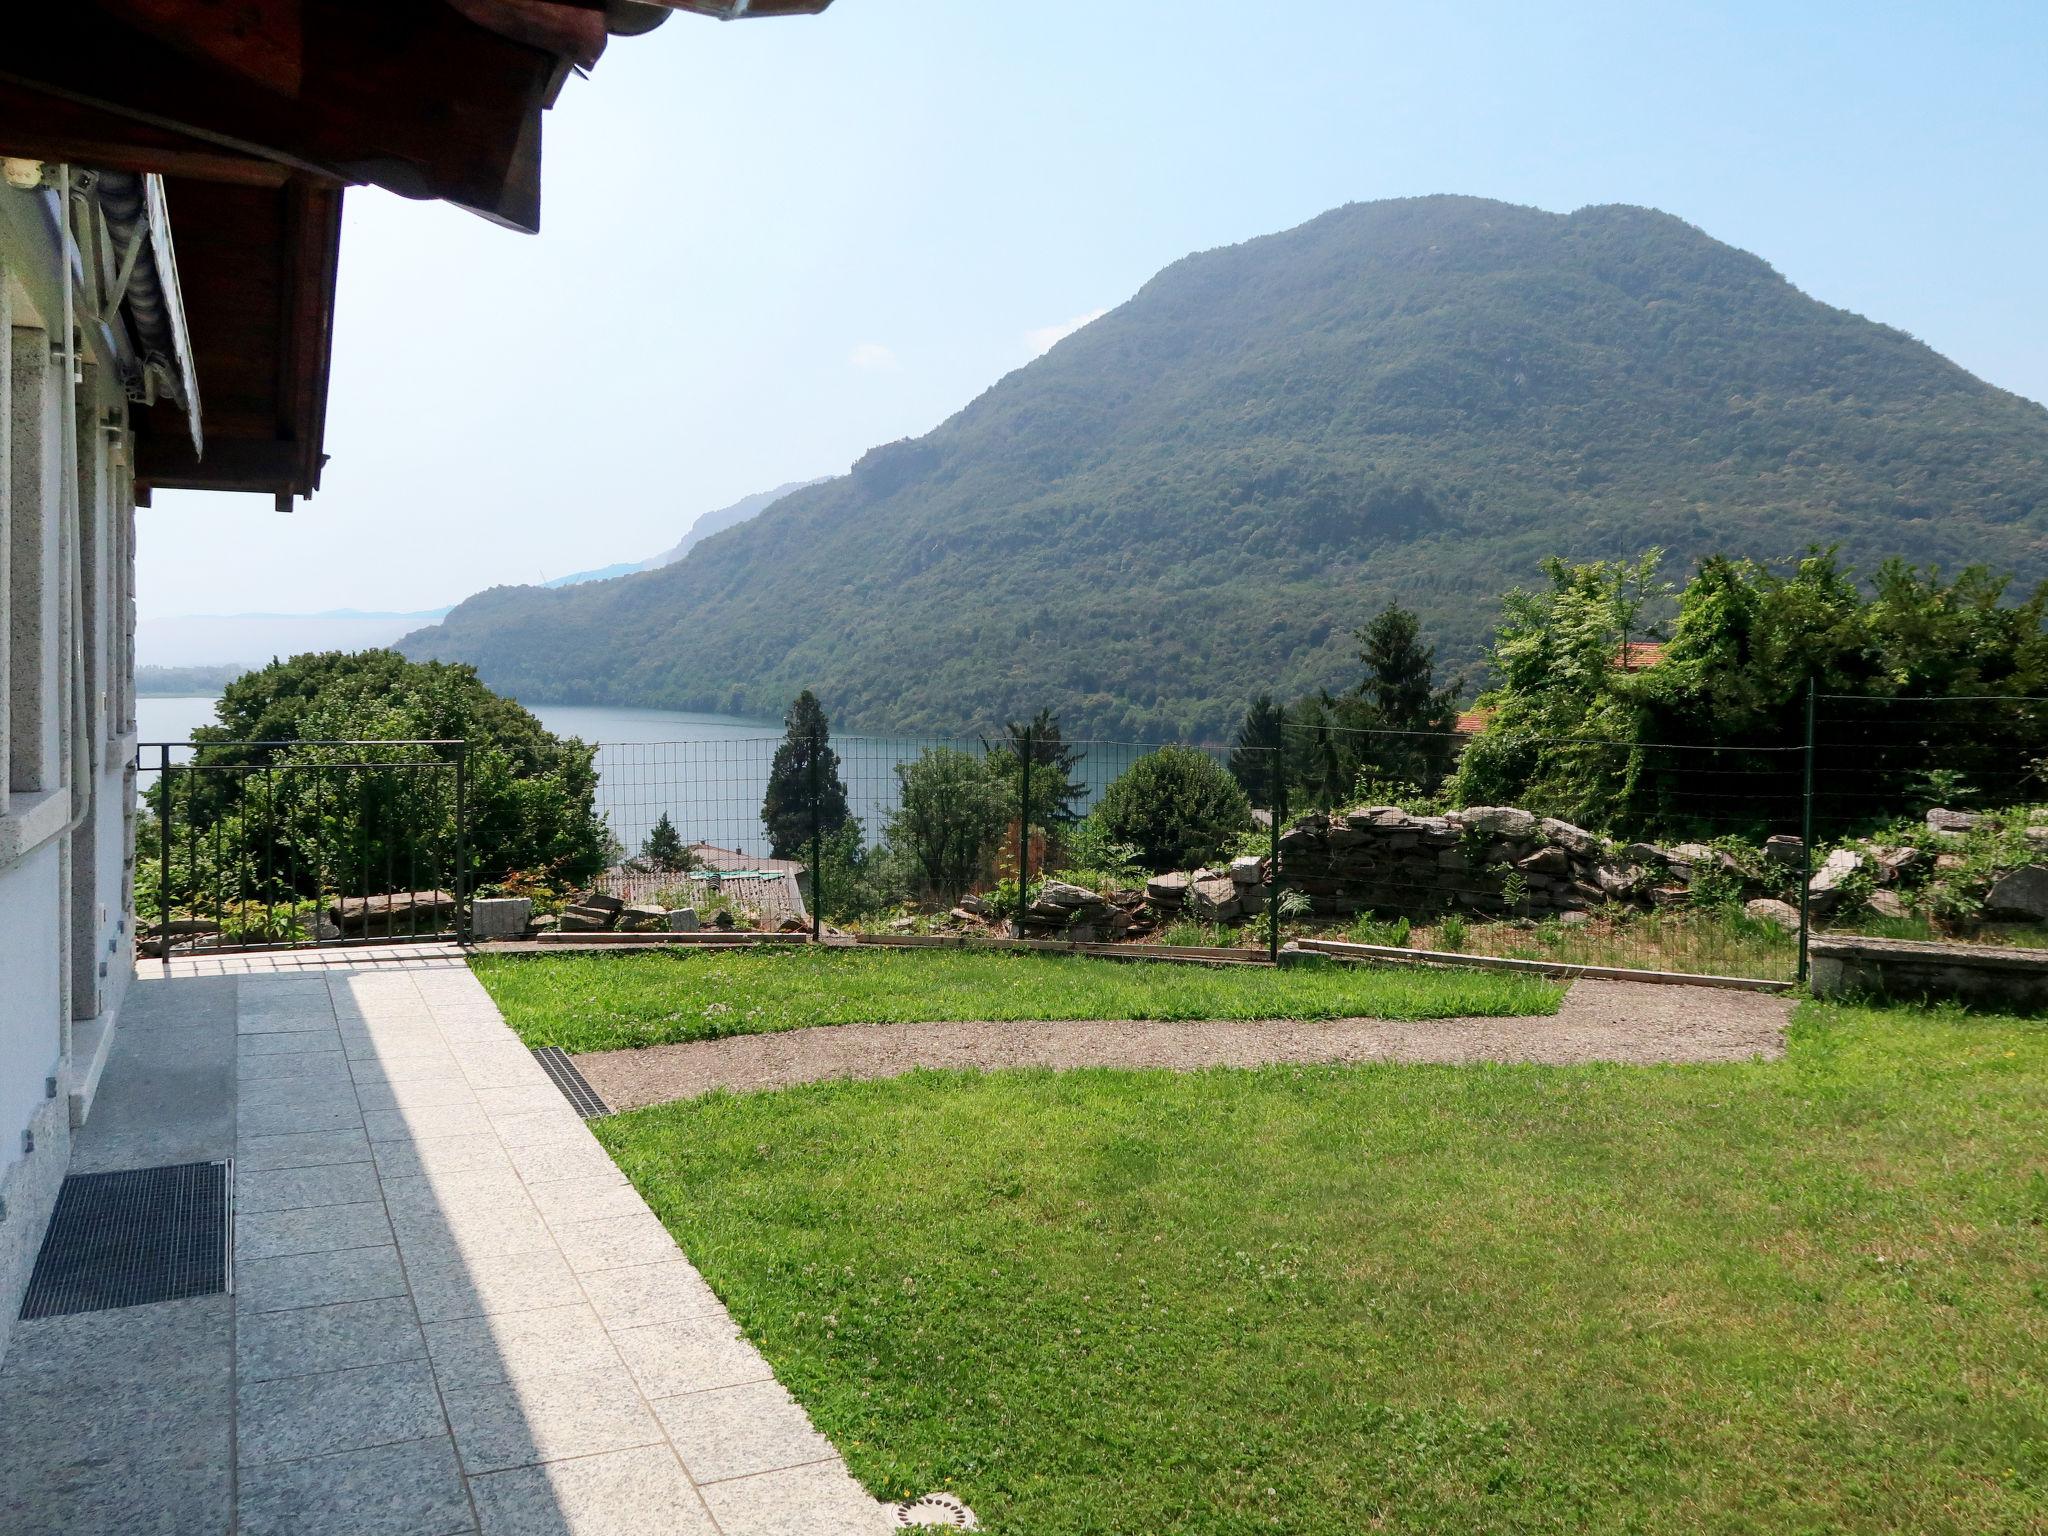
{"x": 282, "y": 844}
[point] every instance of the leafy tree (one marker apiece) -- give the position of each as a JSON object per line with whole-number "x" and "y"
{"x": 952, "y": 807}
{"x": 1178, "y": 807}
{"x": 791, "y": 809}
{"x": 663, "y": 847}
{"x": 1253, "y": 749}
{"x": 1704, "y": 740}
{"x": 318, "y": 822}
{"x": 859, "y": 881}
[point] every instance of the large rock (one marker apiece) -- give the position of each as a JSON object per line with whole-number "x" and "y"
{"x": 683, "y": 920}
{"x": 1545, "y": 861}
{"x": 1767, "y": 909}
{"x": 1576, "y": 841}
{"x": 1502, "y": 821}
{"x": 1939, "y": 820}
{"x": 1825, "y": 889}
{"x": 1886, "y": 904}
{"x": 1249, "y": 870}
{"x": 1698, "y": 856}
{"x": 1170, "y": 889}
{"x": 1617, "y": 879}
{"x": 1785, "y": 851}
{"x": 1216, "y": 900}
{"x": 2021, "y": 896}
{"x": 1061, "y": 896}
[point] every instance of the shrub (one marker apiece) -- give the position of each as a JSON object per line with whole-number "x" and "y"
{"x": 1178, "y": 807}
{"x": 1091, "y": 857}
{"x": 953, "y": 810}
{"x": 338, "y": 823}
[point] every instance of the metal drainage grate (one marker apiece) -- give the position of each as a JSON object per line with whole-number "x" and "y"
{"x": 129, "y": 1238}
{"x": 937, "y": 1509}
{"x": 562, "y": 1073}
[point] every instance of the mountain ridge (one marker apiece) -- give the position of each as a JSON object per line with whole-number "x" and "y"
{"x": 1199, "y": 494}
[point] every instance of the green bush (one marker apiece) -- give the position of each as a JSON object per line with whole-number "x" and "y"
{"x": 953, "y": 809}
{"x": 295, "y": 815}
{"x": 1178, "y": 807}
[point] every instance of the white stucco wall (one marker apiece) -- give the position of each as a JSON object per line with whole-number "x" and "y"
{"x": 66, "y": 939}
{"x": 31, "y": 996}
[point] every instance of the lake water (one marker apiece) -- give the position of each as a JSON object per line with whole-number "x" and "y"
{"x": 706, "y": 773}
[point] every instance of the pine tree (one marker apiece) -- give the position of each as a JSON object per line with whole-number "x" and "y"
{"x": 1056, "y": 795}
{"x": 1400, "y": 686}
{"x": 1251, "y": 754}
{"x": 789, "y": 810}
{"x": 663, "y": 848}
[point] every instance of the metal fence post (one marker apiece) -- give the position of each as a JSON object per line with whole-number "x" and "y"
{"x": 817, "y": 836}
{"x": 1806, "y": 834}
{"x": 1273, "y": 855}
{"x": 1024, "y": 833}
{"x": 462, "y": 924}
{"x": 163, "y": 857}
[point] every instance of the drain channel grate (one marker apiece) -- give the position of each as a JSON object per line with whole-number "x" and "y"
{"x": 562, "y": 1073}
{"x": 133, "y": 1237}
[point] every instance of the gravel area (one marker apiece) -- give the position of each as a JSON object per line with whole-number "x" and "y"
{"x": 1619, "y": 1021}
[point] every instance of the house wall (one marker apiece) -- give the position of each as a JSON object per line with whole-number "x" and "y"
{"x": 66, "y": 657}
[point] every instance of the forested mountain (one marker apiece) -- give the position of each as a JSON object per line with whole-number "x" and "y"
{"x": 1198, "y": 496}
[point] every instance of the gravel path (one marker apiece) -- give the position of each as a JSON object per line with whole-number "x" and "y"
{"x": 1599, "y": 1021}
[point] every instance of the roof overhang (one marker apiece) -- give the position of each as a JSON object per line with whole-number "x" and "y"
{"x": 257, "y": 115}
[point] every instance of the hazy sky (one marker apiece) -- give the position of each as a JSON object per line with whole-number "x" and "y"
{"x": 768, "y": 246}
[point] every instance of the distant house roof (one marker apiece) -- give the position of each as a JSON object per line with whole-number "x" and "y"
{"x": 1639, "y": 655}
{"x": 1472, "y": 722}
{"x": 711, "y": 856}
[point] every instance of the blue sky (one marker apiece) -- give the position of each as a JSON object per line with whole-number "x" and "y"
{"x": 768, "y": 246}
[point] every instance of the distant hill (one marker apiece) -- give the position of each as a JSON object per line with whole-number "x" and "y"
{"x": 184, "y": 682}
{"x": 701, "y": 529}
{"x": 727, "y": 517}
{"x": 1200, "y": 494}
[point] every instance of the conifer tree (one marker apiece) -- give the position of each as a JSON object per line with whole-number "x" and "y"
{"x": 792, "y": 808}
{"x": 663, "y": 847}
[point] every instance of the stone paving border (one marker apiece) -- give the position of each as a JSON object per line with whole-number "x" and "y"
{"x": 459, "y": 1312}
{"x": 1598, "y": 1021}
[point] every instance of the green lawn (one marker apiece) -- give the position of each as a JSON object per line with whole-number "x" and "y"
{"x": 605, "y": 1002}
{"x": 1809, "y": 1295}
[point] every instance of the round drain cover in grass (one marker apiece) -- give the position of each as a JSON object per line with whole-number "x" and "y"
{"x": 940, "y": 1509}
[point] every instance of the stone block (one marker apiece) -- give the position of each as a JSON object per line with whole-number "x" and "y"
{"x": 500, "y": 917}
{"x": 683, "y": 920}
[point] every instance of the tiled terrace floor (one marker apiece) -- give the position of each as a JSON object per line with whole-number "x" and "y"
{"x": 451, "y": 1311}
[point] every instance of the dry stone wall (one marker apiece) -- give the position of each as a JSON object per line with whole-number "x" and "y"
{"x": 1493, "y": 860}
